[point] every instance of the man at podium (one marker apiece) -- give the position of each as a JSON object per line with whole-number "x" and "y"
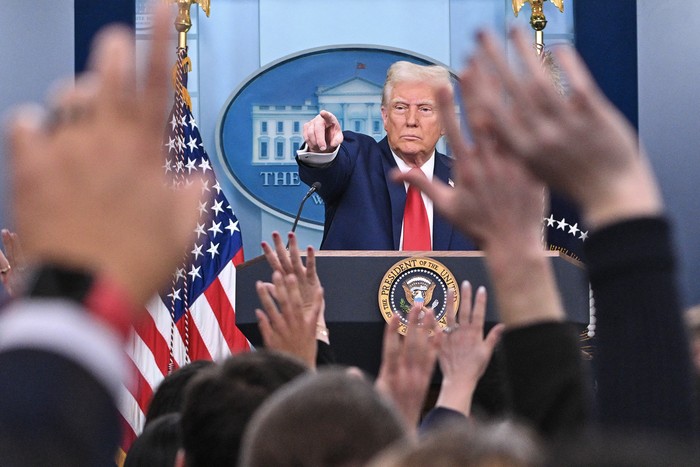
{"x": 365, "y": 209}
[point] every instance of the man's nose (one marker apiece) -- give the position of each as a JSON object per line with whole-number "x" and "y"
{"x": 412, "y": 116}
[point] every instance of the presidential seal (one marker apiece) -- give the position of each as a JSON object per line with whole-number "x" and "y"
{"x": 416, "y": 279}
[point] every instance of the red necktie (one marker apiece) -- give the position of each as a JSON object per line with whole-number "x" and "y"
{"x": 416, "y": 228}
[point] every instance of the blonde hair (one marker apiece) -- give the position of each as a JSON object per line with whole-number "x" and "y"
{"x": 552, "y": 67}
{"x": 407, "y": 72}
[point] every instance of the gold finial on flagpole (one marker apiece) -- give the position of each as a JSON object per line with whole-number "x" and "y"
{"x": 183, "y": 22}
{"x": 537, "y": 19}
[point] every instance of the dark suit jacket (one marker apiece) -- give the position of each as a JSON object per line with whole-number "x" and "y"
{"x": 642, "y": 356}
{"x": 54, "y": 412}
{"x": 364, "y": 208}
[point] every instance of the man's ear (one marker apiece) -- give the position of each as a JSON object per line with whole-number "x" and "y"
{"x": 180, "y": 458}
{"x": 384, "y": 116}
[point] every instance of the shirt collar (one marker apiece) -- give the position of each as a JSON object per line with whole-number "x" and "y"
{"x": 428, "y": 168}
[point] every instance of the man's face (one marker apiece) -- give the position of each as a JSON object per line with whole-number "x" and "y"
{"x": 411, "y": 121}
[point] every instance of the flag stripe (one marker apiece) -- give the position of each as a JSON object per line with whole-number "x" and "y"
{"x": 142, "y": 358}
{"x": 216, "y": 296}
{"x": 196, "y": 348}
{"x": 208, "y": 326}
{"x": 238, "y": 342}
{"x": 160, "y": 316}
{"x": 129, "y": 435}
{"x": 133, "y": 417}
{"x": 149, "y": 336}
{"x": 143, "y": 390}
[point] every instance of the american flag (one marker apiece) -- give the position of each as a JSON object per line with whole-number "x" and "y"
{"x": 195, "y": 318}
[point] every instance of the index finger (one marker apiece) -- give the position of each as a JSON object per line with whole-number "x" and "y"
{"x": 579, "y": 78}
{"x": 318, "y": 128}
{"x": 466, "y": 294}
{"x": 282, "y": 253}
{"x": 297, "y": 266}
{"x": 271, "y": 256}
{"x": 415, "y": 340}
{"x": 450, "y": 123}
{"x": 494, "y": 53}
{"x": 329, "y": 118}
{"x": 391, "y": 345}
{"x": 156, "y": 89}
{"x": 311, "y": 272}
{"x": 434, "y": 189}
{"x": 478, "y": 313}
{"x": 529, "y": 57}
{"x": 112, "y": 60}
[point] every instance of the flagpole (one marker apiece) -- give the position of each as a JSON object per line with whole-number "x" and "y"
{"x": 183, "y": 22}
{"x": 182, "y": 105}
{"x": 200, "y": 299}
{"x": 538, "y": 20}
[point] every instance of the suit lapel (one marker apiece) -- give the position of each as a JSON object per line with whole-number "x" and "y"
{"x": 397, "y": 193}
{"x": 442, "y": 230}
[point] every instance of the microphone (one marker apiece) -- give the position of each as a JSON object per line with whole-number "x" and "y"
{"x": 312, "y": 190}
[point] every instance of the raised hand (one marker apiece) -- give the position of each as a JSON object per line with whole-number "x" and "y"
{"x": 290, "y": 262}
{"x": 408, "y": 363}
{"x": 578, "y": 144}
{"x": 323, "y": 133}
{"x": 465, "y": 353}
{"x": 88, "y": 188}
{"x": 285, "y": 324}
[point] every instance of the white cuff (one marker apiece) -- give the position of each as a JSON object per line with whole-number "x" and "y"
{"x": 316, "y": 159}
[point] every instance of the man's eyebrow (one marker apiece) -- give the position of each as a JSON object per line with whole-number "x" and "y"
{"x": 403, "y": 101}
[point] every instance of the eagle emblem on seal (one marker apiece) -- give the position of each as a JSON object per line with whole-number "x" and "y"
{"x": 419, "y": 287}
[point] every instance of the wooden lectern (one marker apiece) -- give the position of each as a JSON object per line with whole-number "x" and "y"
{"x": 351, "y": 280}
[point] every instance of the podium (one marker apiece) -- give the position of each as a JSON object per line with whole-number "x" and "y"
{"x": 352, "y": 280}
